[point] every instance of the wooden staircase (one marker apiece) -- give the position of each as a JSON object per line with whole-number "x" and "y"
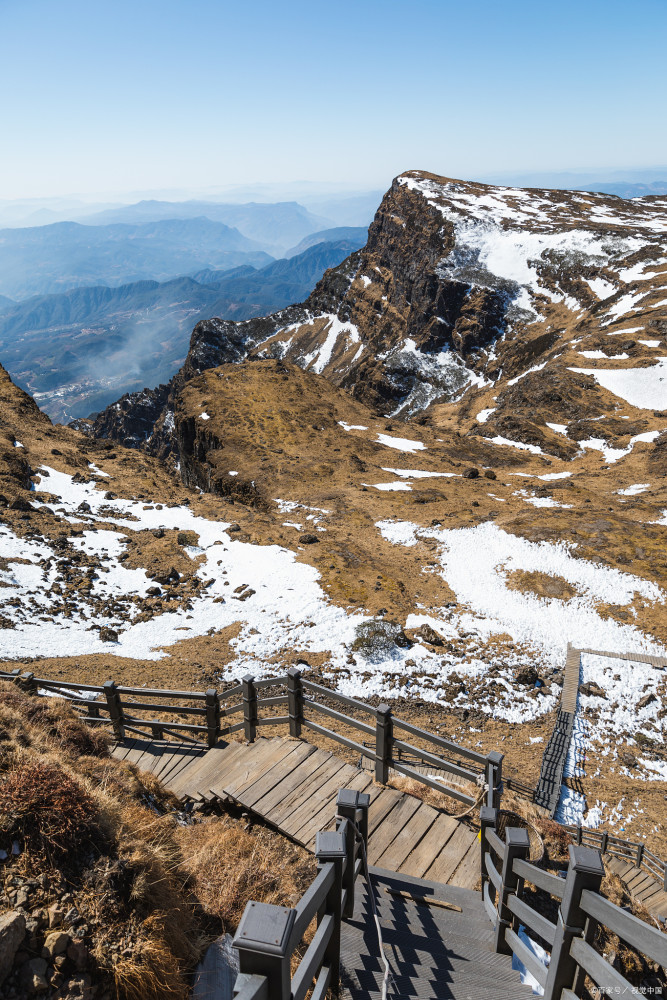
{"x": 292, "y": 785}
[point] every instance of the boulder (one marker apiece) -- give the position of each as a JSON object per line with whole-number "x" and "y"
{"x": 12, "y": 932}
{"x": 471, "y": 474}
{"x": 308, "y": 539}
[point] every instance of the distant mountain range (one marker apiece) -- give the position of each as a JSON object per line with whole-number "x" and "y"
{"x": 79, "y": 350}
{"x": 356, "y": 234}
{"x": 274, "y": 227}
{"x": 56, "y": 258}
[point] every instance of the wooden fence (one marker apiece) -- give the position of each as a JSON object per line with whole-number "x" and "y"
{"x": 505, "y": 872}
{"x": 394, "y": 740}
{"x": 268, "y": 936}
{"x": 124, "y": 709}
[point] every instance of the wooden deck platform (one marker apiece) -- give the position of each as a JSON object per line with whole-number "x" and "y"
{"x": 292, "y": 785}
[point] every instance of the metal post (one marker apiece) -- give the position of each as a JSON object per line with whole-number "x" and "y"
{"x": 383, "y": 733}
{"x": 262, "y": 941}
{"x": 585, "y": 871}
{"x": 212, "y": 717}
{"x": 294, "y": 701}
{"x": 352, "y": 806}
{"x": 494, "y": 778}
{"x": 249, "y": 707}
{"x": 488, "y": 819}
{"x": 330, "y": 849}
{"x": 517, "y": 845}
{"x": 115, "y": 709}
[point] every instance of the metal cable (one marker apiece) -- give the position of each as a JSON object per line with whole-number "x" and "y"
{"x": 376, "y": 915}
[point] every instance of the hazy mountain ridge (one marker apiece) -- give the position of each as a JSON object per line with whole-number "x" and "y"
{"x": 79, "y": 350}
{"x": 55, "y": 258}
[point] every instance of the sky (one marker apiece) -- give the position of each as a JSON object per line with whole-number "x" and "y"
{"x": 102, "y": 98}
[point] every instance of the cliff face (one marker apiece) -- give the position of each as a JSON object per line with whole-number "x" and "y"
{"x": 460, "y": 287}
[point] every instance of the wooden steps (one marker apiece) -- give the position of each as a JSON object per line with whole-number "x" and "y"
{"x": 641, "y": 885}
{"x": 293, "y": 785}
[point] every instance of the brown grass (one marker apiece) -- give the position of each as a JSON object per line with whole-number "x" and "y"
{"x": 46, "y": 809}
{"x": 231, "y": 865}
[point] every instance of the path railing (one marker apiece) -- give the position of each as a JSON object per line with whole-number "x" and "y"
{"x": 268, "y": 936}
{"x": 581, "y": 907}
{"x": 391, "y": 742}
{"x": 634, "y": 852}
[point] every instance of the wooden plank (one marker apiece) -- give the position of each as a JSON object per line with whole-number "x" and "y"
{"x": 273, "y": 775}
{"x": 187, "y": 778}
{"x": 295, "y": 801}
{"x": 121, "y": 750}
{"x": 391, "y": 826}
{"x": 250, "y": 766}
{"x": 326, "y": 818}
{"x": 380, "y": 807}
{"x": 294, "y": 823}
{"x": 217, "y": 762}
{"x": 640, "y": 882}
{"x": 449, "y": 858}
{"x": 178, "y": 761}
{"x": 424, "y": 854}
{"x": 299, "y": 781}
{"x": 406, "y": 839}
{"x": 468, "y": 872}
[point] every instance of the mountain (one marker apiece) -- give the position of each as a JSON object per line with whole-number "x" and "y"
{"x": 273, "y": 226}
{"x": 269, "y": 512}
{"x": 460, "y": 286}
{"x": 354, "y": 234}
{"x": 79, "y": 350}
{"x": 48, "y": 259}
{"x": 6, "y": 303}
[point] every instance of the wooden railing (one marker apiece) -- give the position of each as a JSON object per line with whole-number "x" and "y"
{"x": 268, "y": 936}
{"x": 581, "y": 908}
{"x": 634, "y": 852}
{"x": 390, "y": 741}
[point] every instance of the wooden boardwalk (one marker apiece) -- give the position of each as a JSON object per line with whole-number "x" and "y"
{"x": 292, "y": 785}
{"x": 547, "y": 793}
{"x": 640, "y": 884}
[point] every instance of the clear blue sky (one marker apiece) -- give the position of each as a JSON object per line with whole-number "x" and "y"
{"x": 102, "y": 96}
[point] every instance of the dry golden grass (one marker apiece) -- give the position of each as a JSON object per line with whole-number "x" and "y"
{"x": 231, "y": 865}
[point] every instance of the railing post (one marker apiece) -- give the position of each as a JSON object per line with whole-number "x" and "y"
{"x": 640, "y": 855}
{"x": 494, "y": 778}
{"x": 604, "y": 842}
{"x": 353, "y": 806}
{"x": 488, "y": 819}
{"x": 27, "y": 682}
{"x": 249, "y": 707}
{"x": 115, "y": 709}
{"x": 517, "y": 845}
{"x": 294, "y": 701}
{"x": 330, "y": 849}
{"x": 585, "y": 871}
{"x": 383, "y": 733}
{"x": 262, "y": 941}
{"x": 579, "y": 833}
{"x": 212, "y": 716}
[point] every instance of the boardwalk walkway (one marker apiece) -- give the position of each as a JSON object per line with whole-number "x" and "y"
{"x": 547, "y": 793}
{"x": 640, "y": 885}
{"x": 435, "y": 952}
{"x": 292, "y": 785}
